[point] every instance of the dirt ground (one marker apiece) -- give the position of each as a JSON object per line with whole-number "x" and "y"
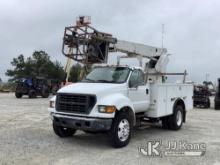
{"x": 26, "y": 137}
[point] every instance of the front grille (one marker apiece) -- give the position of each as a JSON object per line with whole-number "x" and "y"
{"x": 75, "y": 103}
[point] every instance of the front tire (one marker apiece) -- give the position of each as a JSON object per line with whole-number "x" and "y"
{"x": 62, "y": 131}
{"x": 18, "y": 95}
{"x": 121, "y": 129}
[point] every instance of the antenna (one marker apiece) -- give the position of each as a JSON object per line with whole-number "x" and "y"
{"x": 162, "y": 34}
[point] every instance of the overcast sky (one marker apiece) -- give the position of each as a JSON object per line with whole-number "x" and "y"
{"x": 192, "y": 29}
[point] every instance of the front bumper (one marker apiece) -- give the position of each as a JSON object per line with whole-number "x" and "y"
{"x": 82, "y": 123}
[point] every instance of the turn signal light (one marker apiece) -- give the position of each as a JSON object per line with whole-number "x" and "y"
{"x": 107, "y": 109}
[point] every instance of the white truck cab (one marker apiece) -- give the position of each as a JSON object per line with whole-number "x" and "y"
{"x": 112, "y": 98}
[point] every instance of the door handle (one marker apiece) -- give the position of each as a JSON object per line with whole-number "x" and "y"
{"x": 147, "y": 91}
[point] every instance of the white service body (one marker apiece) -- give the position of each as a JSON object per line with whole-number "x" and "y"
{"x": 164, "y": 95}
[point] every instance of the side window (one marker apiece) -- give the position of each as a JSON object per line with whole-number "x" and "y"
{"x": 136, "y": 79}
{"x": 141, "y": 78}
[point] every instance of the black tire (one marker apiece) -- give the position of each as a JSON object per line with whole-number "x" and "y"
{"x": 194, "y": 105}
{"x": 208, "y": 103}
{"x": 62, "y": 131}
{"x": 45, "y": 93}
{"x": 217, "y": 107}
{"x": 32, "y": 94}
{"x": 121, "y": 119}
{"x": 18, "y": 95}
{"x": 174, "y": 123}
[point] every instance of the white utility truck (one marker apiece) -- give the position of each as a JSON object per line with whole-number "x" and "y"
{"x": 115, "y": 98}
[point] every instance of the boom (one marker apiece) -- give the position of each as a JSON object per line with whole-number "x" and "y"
{"x": 136, "y": 49}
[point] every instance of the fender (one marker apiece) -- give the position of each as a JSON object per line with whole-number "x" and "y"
{"x": 119, "y": 101}
{"x": 179, "y": 101}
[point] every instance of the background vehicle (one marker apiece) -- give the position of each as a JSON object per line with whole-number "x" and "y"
{"x": 32, "y": 87}
{"x": 217, "y": 96}
{"x": 201, "y": 96}
{"x": 114, "y": 98}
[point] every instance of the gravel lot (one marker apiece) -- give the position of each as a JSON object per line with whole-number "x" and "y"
{"x": 26, "y": 137}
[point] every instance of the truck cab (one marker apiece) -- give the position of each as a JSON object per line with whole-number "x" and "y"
{"x": 110, "y": 99}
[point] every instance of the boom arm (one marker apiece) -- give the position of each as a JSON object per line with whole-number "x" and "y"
{"x": 136, "y": 49}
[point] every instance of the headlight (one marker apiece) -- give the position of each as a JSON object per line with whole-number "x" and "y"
{"x": 106, "y": 109}
{"x": 52, "y": 104}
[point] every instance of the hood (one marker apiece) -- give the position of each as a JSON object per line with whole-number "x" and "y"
{"x": 92, "y": 88}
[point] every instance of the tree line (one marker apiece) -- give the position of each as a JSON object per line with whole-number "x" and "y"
{"x": 39, "y": 64}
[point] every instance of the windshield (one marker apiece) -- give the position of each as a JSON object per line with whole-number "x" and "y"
{"x": 108, "y": 75}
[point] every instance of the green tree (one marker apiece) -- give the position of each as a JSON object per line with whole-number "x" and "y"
{"x": 207, "y": 83}
{"x": 75, "y": 73}
{"x": 38, "y": 65}
{"x": 19, "y": 67}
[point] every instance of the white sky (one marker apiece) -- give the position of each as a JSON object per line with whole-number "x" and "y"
{"x": 191, "y": 29}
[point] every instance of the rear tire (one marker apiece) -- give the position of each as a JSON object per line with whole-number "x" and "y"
{"x": 176, "y": 120}
{"x": 208, "y": 103}
{"x": 121, "y": 129}
{"x": 62, "y": 131}
{"x": 45, "y": 93}
{"x": 18, "y": 95}
{"x": 217, "y": 107}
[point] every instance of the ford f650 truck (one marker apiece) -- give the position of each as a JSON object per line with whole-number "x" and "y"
{"x": 111, "y": 98}
{"x": 114, "y": 98}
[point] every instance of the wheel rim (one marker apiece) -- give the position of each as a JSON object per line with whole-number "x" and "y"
{"x": 123, "y": 130}
{"x": 179, "y": 118}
